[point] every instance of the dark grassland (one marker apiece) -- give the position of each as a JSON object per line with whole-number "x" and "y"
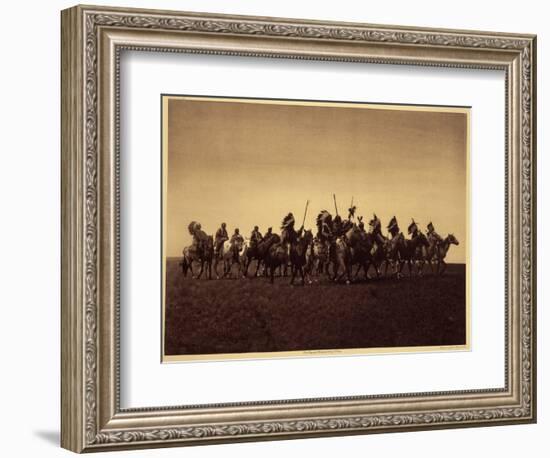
{"x": 251, "y": 315}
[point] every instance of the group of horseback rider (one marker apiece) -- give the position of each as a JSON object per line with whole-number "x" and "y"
{"x": 342, "y": 242}
{"x": 221, "y": 237}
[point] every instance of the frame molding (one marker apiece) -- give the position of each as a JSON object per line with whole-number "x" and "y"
{"x": 92, "y": 39}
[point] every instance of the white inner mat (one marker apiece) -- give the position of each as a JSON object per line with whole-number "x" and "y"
{"x": 146, "y": 382}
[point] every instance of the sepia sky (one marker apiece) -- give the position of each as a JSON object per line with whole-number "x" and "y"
{"x": 251, "y": 162}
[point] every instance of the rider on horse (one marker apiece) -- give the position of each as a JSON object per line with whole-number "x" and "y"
{"x": 413, "y": 229}
{"x": 393, "y": 227}
{"x": 236, "y": 239}
{"x": 199, "y": 236}
{"x": 433, "y": 237}
{"x": 289, "y": 234}
{"x": 324, "y": 226}
{"x": 255, "y": 237}
{"x": 220, "y": 238}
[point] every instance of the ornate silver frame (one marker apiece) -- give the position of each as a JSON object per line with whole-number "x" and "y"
{"x": 92, "y": 39}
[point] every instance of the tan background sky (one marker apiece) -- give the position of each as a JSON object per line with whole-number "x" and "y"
{"x": 248, "y": 163}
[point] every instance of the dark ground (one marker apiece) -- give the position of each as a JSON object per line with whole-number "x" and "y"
{"x": 251, "y": 315}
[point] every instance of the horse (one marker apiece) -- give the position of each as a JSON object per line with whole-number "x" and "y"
{"x": 392, "y": 249}
{"x": 441, "y": 252}
{"x": 429, "y": 253}
{"x": 298, "y": 255}
{"x": 231, "y": 253}
{"x": 258, "y": 252}
{"x": 188, "y": 256}
{"x": 203, "y": 253}
{"x": 340, "y": 255}
{"x": 318, "y": 257}
{"x": 381, "y": 247}
{"x": 276, "y": 256}
{"x": 360, "y": 244}
{"x": 409, "y": 248}
{"x": 424, "y": 253}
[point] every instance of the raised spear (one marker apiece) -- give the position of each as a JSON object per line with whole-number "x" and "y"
{"x": 335, "y": 206}
{"x": 305, "y": 213}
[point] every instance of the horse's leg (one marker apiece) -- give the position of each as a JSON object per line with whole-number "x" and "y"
{"x": 348, "y": 272}
{"x": 246, "y": 265}
{"x": 399, "y": 267}
{"x": 307, "y": 267}
{"x": 391, "y": 264}
{"x": 200, "y": 272}
{"x": 216, "y": 261}
{"x": 309, "y": 276}
{"x": 366, "y": 269}
{"x": 377, "y": 265}
{"x": 184, "y": 267}
{"x": 342, "y": 264}
{"x": 377, "y": 268}
{"x": 228, "y": 265}
{"x": 292, "y": 274}
{"x": 358, "y": 269}
{"x": 345, "y": 270}
{"x": 272, "y": 274}
{"x": 240, "y": 267}
{"x": 420, "y": 267}
{"x": 444, "y": 267}
{"x": 365, "y": 266}
{"x": 335, "y": 269}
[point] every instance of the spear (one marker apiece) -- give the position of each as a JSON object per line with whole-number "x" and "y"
{"x": 305, "y": 213}
{"x": 335, "y": 206}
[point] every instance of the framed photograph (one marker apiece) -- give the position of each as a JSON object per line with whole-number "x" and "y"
{"x": 278, "y": 228}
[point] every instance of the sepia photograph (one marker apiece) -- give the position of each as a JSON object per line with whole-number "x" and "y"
{"x": 313, "y": 228}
